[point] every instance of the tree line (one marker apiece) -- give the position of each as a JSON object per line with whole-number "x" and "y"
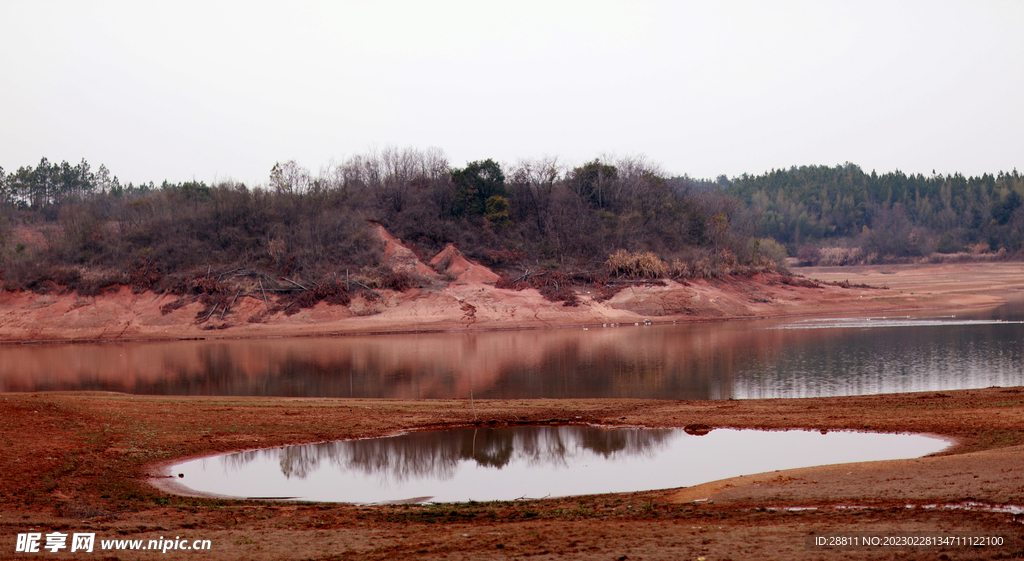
{"x": 535, "y": 214}
{"x": 892, "y": 215}
{"x": 623, "y": 216}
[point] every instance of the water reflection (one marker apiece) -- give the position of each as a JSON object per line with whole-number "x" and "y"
{"x": 531, "y": 462}
{"x": 436, "y": 454}
{"x": 699, "y": 361}
{"x": 888, "y": 358}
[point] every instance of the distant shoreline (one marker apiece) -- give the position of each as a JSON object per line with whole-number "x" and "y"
{"x": 119, "y": 315}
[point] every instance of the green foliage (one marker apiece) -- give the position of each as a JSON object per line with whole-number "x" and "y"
{"x": 770, "y": 249}
{"x": 593, "y": 182}
{"x": 904, "y": 213}
{"x": 194, "y": 191}
{"x": 948, "y": 244}
{"x": 894, "y": 235}
{"x": 48, "y": 184}
{"x": 475, "y": 184}
{"x": 496, "y": 211}
{"x": 1002, "y": 210}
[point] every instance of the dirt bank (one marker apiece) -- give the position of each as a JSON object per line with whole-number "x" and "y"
{"x": 467, "y": 303}
{"x": 83, "y": 462}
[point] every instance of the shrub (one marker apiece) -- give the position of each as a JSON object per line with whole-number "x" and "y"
{"x": 332, "y": 291}
{"x": 555, "y": 286}
{"x": 682, "y": 269}
{"x": 979, "y": 248}
{"x": 497, "y": 257}
{"x": 398, "y": 281}
{"x": 809, "y": 255}
{"x": 645, "y": 265}
{"x": 948, "y": 244}
{"x": 144, "y": 275}
{"x": 839, "y": 256}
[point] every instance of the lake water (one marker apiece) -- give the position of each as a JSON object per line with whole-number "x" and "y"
{"x": 527, "y": 462}
{"x": 719, "y": 360}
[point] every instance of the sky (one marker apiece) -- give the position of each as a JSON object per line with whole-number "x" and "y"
{"x": 218, "y": 90}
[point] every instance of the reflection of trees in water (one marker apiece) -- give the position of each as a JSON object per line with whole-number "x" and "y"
{"x": 677, "y": 362}
{"x": 577, "y": 371}
{"x": 572, "y": 369}
{"x": 647, "y": 364}
{"x": 437, "y": 454}
{"x": 856, "y": 361}
{"x": 225, "y": 370}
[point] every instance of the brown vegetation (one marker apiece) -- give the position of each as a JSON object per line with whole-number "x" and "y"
{"x": 636, "y": 265}
{"x": 89, "y": 234}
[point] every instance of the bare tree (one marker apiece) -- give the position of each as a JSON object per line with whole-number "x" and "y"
{"x": 290, "y": 177}
{"x": 533, "y": 183}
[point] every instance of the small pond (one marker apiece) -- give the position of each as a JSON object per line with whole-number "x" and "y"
{"x": 528, "y": 462}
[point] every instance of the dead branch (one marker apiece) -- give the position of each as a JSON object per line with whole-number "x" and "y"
{"x": 229, "y": 305}
{"x": 264, "y": 294}
{"x": 211, "y": 313}
{"x": 524, "y": 276}
{"x": 372, "y": 291}
{"x": 222, "y": 275}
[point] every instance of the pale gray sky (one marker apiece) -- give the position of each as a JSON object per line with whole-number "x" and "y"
{"x": 215, "y": 90}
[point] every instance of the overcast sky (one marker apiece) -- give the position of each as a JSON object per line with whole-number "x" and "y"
{"x": 223, "y": 90}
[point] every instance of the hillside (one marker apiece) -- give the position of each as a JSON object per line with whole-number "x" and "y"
{"x": 463, "y": 296}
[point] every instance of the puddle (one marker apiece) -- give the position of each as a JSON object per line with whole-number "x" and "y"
{"x": 527, "y": 463}
{"x": 983, "y": 507}
{"x": 1016, "y": 510}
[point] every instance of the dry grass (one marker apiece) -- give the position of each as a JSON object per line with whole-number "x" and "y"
{"x": 721, "y": 264}
{"x": 839, "y": 256}
{"x": 636, "y": 265}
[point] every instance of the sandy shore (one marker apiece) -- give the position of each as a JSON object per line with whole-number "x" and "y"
{"x": 931, "y": 281}
{"x": 87, "y": 462}
{"x": 469, "y": 304}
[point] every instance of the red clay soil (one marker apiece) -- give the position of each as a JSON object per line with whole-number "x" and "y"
{"x": 466, "y": 303}
{"x": 95, "y": 462}
{"x": 464, "y": 270}
{"x": 399, "y": 257}
{"x": 464, "y": 297}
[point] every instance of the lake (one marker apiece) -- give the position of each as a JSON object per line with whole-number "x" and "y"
{"x": 796, "y": 357}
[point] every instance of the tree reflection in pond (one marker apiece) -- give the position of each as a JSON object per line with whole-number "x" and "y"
{"x": 529, "y": 462}
{"x": 436, "y": 454}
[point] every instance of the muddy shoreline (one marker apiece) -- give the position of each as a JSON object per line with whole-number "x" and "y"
{"x": 120, "y": 315}
{"x": 85, "y": 460}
